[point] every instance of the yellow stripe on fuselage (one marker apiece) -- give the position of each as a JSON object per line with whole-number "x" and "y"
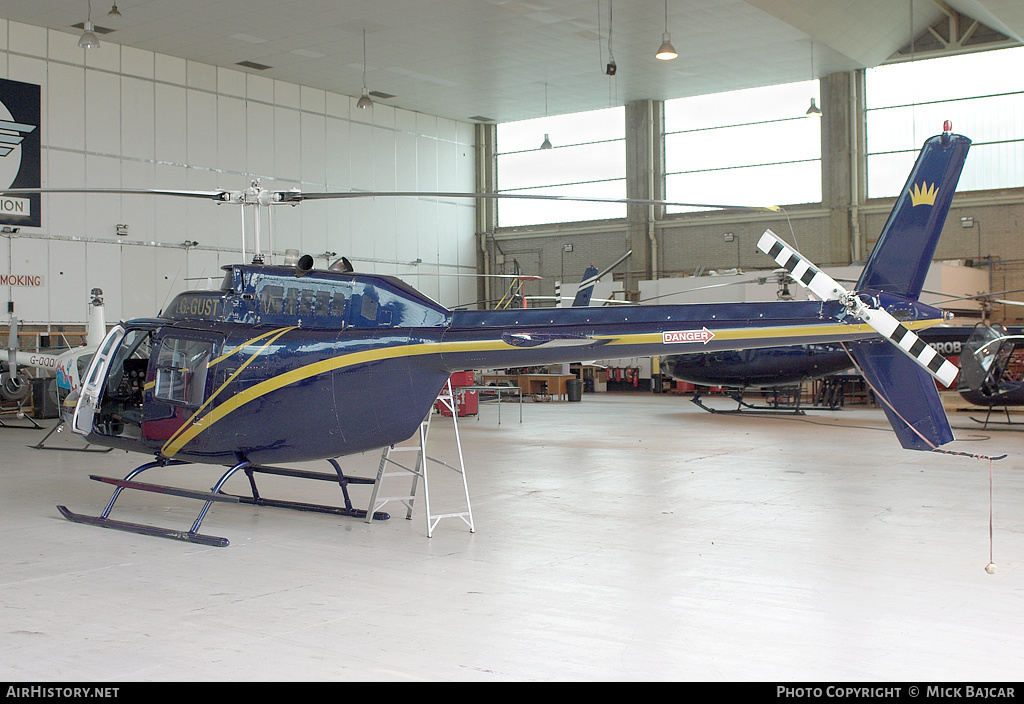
{"x": 766, "y": 333}
{"x": 291, "y": 377}
{"x": 191, "y": 422}
{"x": 193, "y": 427}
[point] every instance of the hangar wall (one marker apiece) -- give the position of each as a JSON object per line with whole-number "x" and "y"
{"x": 830, "y": 233}
{"x": 125, "y": 118}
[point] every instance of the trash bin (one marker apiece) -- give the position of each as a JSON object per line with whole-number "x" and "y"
{"x": 574, "y": 389}
{"x": 43, "y": 404}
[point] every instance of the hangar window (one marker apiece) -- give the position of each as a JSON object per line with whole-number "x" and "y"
{"x": 981, "y": 93}
{"x": 587, "y": 159}
{"x": 746, "y": 147}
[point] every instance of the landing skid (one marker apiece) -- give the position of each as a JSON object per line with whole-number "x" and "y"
{"x": 41, "y": 445}
{"x": 21, "y": 416}
{"x": 217, "y": 495}
{"x": 1007, "y": 422}
{"x": 742, "y": 407}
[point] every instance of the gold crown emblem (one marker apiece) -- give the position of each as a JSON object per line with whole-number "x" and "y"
{"x": 923, "y": 196}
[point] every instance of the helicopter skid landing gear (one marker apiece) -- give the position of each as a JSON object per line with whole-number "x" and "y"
{"x": 777, "y": 406}
{"x": 1008, "y": 424}
{"x": 215, "y": 494}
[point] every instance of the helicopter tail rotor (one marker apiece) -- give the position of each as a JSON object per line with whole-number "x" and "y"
{"x": 828, "y": 289}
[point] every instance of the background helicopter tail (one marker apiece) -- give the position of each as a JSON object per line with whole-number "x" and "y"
{"x": 586, "y": 289}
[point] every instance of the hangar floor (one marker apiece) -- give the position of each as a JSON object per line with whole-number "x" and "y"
{"x": 628, "y": 536}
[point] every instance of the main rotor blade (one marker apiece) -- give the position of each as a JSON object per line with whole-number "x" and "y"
{"x": 979, "y": 297}
{"x": 760, "y": 281}
{"x": 828, "y": 289}
{"x": 260, "y": 196}
{"x": 220, "y": 195}
{"x": 521, "y": 277}
{"x": 298, "y": 197}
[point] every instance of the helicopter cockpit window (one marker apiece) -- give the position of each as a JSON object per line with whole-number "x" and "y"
{"x": 181, "y": 370}
{"x": 369, "y": 308}
{"x": 291, "y": 298}
{"x": 272, "y": 299}
{"x": 83, "y": 365}
{"x": 338, "y": 305}
{"x": 306, "y": 299}
{"x": 986, "y": 353}
{"x": 323, "y": 304}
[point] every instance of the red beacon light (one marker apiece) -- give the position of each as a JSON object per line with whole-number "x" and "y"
{"x": 947, "y": 126}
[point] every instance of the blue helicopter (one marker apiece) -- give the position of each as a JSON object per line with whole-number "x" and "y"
{"x": 778, "y": 373}
{"x": 288, "y": 364}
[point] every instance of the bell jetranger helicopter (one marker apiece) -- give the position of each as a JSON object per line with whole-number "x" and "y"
{"x": 287, "y": 364}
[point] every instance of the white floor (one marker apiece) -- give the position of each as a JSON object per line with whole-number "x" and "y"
{"x": 628, "y": 536}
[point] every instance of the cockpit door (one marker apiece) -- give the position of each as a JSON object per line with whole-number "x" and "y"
{"x": 95, "y": 379}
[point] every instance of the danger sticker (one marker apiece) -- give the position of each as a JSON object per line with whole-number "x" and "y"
{"x": 702, "y": 336}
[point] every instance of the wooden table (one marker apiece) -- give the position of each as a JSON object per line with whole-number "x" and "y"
{"x": 553, "y": 384}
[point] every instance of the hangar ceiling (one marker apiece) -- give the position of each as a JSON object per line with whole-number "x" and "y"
{"x": 475, "y": 59}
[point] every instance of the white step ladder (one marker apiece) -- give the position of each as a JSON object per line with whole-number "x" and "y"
{"x": 447, "y": 400}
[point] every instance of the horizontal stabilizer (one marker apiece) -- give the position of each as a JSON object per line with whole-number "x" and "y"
{"x": 911, "y": 400}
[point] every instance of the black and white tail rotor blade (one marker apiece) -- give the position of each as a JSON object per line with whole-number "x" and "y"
{"x": 908, "y": 341}
{"x": 800, "y": 268}
{"x": 828, "y": 289}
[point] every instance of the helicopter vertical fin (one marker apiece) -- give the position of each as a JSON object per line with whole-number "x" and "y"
{"x": 586, "y": 289}
{"x": 911, "y": 399}
{"x": 900, "y": 260}
{"x": 898, "y": 264}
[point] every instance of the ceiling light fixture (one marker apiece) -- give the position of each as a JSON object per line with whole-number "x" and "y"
{"x": 666, "y": 52}
{"x": 114, "y": 12}
{"x": 89, "y": 40}
{"x": 813, "y": 111}
{"x": 364, "y": 101}
{"x": 546, "y": 144}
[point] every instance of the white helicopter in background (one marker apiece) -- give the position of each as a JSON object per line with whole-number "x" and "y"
{"x": 68, "y": 367}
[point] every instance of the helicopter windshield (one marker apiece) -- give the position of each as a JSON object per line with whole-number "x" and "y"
{"x": 116, "y": 374}
{"x": 985, "y": 353}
